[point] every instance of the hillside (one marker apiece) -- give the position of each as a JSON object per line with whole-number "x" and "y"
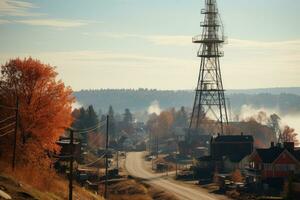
{"x": 284, "y": 100}
{"x": 11, "y": 187}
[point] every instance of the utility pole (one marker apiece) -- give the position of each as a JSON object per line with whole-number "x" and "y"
{"x": 176, "y": 167}
{"x": 157, "y": 145}
{"x": 71, "y": 165}
{"x": 15, "y": 133}
{"x": 149, "y": 143}
{"x": 106, "y": 158}
{"x": 118, "y": 159}
{"x": 176, "y": 157}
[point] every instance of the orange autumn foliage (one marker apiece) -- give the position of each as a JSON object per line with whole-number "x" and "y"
{"x": 236, "y": 176}
{"x": 44, "y": 110}
{"x": 165, "y": 121}
{"x": 289, "y": 135}
{"x": 161, "y": 125}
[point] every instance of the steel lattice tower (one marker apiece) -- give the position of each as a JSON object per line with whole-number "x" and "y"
{"x": 209, "y": 96}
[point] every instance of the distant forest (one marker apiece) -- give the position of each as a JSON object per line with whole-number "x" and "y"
{"x": 284, "y": 100}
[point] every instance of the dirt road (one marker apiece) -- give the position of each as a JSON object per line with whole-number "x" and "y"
{"x": 136, "y": 166}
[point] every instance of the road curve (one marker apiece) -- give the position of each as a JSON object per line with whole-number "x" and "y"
{"x": 136, "y": 167}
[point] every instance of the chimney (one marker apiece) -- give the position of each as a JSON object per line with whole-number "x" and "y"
{"x": 272, "y": 144}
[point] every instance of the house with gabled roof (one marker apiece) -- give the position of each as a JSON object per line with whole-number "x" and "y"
{"x": 274, "y": 164}
{"x": 233, "y": 146}
{"x": 227, "y": 153}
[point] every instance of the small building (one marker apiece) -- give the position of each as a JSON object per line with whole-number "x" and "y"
{"x": 65, "y": 151}
{"x": 192, "y": 142}
{"x": 273, "y": 165}
{"x": 233, "y": 146}
{"x": 179, "y": 134}
{"x": 227, "y": 153}
{"x": 233, "y": 162}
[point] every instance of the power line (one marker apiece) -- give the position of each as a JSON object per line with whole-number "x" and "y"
{"x": 8, "y": 118}
{"x": 8, "y": 107}
{"x": 8, "y": 132}
{"x": 91, "y": 129}
{"x": 95, "y": 161}
{"x": 8, "y": 125}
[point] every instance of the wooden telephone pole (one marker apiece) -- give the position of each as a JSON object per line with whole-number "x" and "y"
{"x": 71, "y": 164}
{"x": 15, "y": 133}
{"x": 106, "y": 158}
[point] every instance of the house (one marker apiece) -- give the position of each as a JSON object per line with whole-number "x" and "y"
{"x": 227, "y": 153}
{"x": 205, "y": 167}
{"x": 65, "y": 151}
{"x": 179, "y": 134}
{"x": 192, "y": 142}
{"x": 273, "y": 165}
{"x": 233, "y": 146}
{"x": 233, "y": 162}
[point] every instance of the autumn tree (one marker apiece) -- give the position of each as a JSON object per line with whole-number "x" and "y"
{"x": 85, "y": 119}
{"x": 181, "y": 118}
{"x": 274, "y": 124}
{"x": 289, "y": 135}
{"x": 236, "y": 176}
{"x": 127, "y": 121}
{"x": 165, "y": 122}
{"x": 152, "y": 127}
{"x": 128, "y": 116}
{"x": 44, "y": 109}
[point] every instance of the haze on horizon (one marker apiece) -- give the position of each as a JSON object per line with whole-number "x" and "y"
{"x": 147, "y": 44}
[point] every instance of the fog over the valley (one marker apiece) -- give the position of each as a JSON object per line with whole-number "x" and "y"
{"x": 247, "y": 111}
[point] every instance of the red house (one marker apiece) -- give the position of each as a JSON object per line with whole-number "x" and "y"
{"x": 275, "y": 163}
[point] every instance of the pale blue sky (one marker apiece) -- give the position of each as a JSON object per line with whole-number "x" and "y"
{"x": 143, "y": 43}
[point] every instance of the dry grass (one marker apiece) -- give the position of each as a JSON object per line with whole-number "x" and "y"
{"x": 161, "y": 159}
{"x": 160, "y": 195}
{"x": 42, "y": 185}
{"x": 233, "y": 194}
{"x": 40, "y": 179}
{"x": 135, "y": 190}
{"x": 130, "y": 187}
{"x": 129, "y": 197}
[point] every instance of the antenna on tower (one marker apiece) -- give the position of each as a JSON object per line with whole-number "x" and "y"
{"x": 209, "y": 99}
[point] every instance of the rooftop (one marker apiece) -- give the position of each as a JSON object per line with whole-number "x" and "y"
{"x": 234, "y": 138}
{"x": 270, "y": 154}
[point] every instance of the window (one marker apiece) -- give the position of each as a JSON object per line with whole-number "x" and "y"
{"x": 291, "y": 167}
{"x": 285, "y": 167}
{"x": 268, "y": 167}
{"x": 251, "y": 165}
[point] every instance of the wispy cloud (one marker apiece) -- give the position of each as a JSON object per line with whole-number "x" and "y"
{"x": 282, "y": 52}
{"x": 178, "y": 40}
{"x": 186, "y": 40}
{"x": 58, "y": 23}
{"x": 262, "y": 44}
{"x": 115, "y": 69}
{"x": 17, "y": 8}
{"x": 106, "y": 57}
{"x": 4, "y": 21}
{"x": 163, "y": 40}
{"x": 19, "y": 11}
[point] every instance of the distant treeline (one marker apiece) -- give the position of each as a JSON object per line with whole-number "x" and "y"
{"x": 141, "y": 99}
